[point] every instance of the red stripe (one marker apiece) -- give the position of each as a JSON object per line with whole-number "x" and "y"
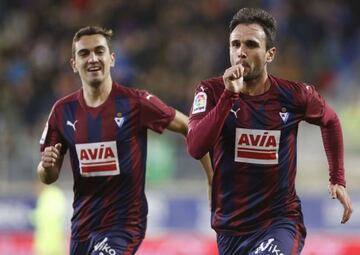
{"x": 88, "y": 169}
{"x": 256, "y": 155}
{"x": 252, "y": 149}
{"x": 295, "y": 247}
{"x": 99, "y": 162}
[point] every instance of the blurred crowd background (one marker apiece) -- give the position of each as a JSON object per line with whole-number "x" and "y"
{"x": 168, "y": 47}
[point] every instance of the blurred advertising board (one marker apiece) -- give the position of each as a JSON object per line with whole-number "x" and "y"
{"x": 180, "y": 225}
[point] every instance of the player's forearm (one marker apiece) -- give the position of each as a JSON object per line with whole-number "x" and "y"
{"x": 203, "y": 133}
{"x": 47, "y": 175}
{"x": 179, "y": 124}
{"x": 207, "y": 167}
{"x": 334, "y": 148}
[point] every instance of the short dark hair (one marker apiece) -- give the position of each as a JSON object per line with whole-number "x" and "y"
{"x": 260, "y": 17}
{"x": 92, "y": 30}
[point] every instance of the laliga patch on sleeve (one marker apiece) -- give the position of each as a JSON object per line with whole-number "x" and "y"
{"x": 199, "y": 102}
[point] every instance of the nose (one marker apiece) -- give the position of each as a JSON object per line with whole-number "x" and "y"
{"x": 241, "y": 52}
{"x": 93, "y": 57}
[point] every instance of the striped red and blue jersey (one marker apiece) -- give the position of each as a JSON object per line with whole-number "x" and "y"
{"x": 252, "y": 143}
{"x": 108, "y": 148}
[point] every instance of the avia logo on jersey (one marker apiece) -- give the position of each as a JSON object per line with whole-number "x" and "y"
{"x": 257, "y": 146}
{"x": 199, "y": 104}
{"x": 98, "y": 159}
{"x": 104, "y": 248}
{"x": 268, "y": 248}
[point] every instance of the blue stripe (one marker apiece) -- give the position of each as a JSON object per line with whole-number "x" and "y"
{"x": 284, "y": 165}
{"x": 124, "y": 135}
{"x": 124, "y": 132}
{"x": 259, "y": 120}
{"x": 256, "y": 179}
{"x": 94, "y": 128}
{"x": 69, "y": 115}
{"x": 286, "y": 100}
{"x": 94, "y": 132}
{"x": 227, "y": 166}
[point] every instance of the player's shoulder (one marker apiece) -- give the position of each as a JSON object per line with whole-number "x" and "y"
{"x": 72, "y": 97}
{"x": 214, "y": 84}
{"x": 135, "y": 96}
{"x": 129, "y": 92}
{"x": 294, "y": 86}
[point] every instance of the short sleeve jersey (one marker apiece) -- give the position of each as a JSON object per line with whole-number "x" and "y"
{"x": 108, "y": 148}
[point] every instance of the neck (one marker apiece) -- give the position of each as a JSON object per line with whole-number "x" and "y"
{"x": 94, "y": 96}
{"x": 256, "y": 86}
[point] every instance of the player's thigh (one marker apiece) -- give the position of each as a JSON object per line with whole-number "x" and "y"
{"x": 116, "y": 244}
{"x": 77, "y": 247}
{"x": 283, "y": 239}
{"x": 234, "y": 245}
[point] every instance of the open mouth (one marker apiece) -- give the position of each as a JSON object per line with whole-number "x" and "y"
{"x": 93, "y": 69}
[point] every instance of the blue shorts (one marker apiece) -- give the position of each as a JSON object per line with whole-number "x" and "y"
{"x": 281, "y": 238}
{"x": 108, "y": 243}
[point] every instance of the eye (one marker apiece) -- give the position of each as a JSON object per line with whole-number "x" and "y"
{"x": 235, "y": 44}
{"x": 252, "y": 44}
{"x": 100, "y": 50}
{"x": 83, "y": 53}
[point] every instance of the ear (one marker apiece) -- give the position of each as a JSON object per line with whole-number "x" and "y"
{"x": 270, "y": 54}
{"x": 112, "y": 57}
{"x": 73, "y": 65}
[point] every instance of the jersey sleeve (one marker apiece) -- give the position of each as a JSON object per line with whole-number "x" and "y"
{"x": 154, "y": 113}
{"x": 318, "y": 112}
{"x": 51, "y": 134}
{"x": 207, "y": 118}
{"x": 314, "y": 104}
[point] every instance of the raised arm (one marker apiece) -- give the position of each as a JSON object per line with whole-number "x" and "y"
{"x": 203, "y": 132}
{"x": 205, "y": 125}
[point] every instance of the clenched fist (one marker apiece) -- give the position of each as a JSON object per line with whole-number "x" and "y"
{"x": 233, "y": 78}
{"x": 50, "y": 155}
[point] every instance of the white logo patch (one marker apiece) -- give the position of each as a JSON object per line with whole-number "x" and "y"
{"x": 199, "y": 104}
{"x": 235, "y": 112}
{"x": 69, "y": 123}
{"x": 257, "y": 146}
{"x": 44, "y": 133}
{"x": 98, "y": 159}
{"x": 119, "y": 121}
{"x": 149, "y": 96}
{"x": 269, "y": 248}
{"x": 284, "y": 116}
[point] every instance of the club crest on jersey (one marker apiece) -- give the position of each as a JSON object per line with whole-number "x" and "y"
{"x": 119, "y": 119}
{"x": 257, "y": 146}
{"x": 284, "y": 114}
{"x": 98, "y": 159}
{"x": 199, "y": 104}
